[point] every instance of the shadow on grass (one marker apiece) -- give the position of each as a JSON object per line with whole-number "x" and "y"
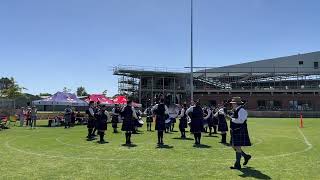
{"x": 105, "y": 142}
{"x": 211, "y": 136}
{"x": 164, "y": 146}
{"x": 185, "y": 139}
{"x": 129, "y": 145}
{"x": 202, "y": 146}
{"x": 91, "y": 139}
{"x": 253, "y": 173}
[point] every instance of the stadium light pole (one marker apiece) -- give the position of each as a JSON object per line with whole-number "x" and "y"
{"x": 191, "y": 49}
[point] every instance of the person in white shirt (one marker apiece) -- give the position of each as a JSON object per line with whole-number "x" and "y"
{"x": 183, "y": 121}
{"x": 239, "y": 132}
{"x": 21, "y": 114}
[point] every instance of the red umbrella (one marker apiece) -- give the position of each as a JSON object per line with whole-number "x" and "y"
{"x": 123, "y": 100}
{"x": 100, "y": 98}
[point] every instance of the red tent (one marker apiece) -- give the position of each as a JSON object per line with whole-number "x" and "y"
{"x": 123, "y": 100}
{"x": 100, "y": 98}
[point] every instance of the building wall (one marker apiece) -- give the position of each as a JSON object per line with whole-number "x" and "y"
{"x": 252, "y": 99}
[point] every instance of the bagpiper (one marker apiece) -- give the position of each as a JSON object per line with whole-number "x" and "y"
{"x": 239, "y": 132}
{"x": 91, "y": 120}
{"x": 129, "y": 115}
{"x": 196, "y": 114}
{"x": 222, "y": 123}
{"x": 102, "y": 118}
{"x": 115, "y": 118}
{"x": 148, "y": 113}
{"x": 161, "y": 112}
{"x": 183, "y": 118}
{"x": 96, "y": 110}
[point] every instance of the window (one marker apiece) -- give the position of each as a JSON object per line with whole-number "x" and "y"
{"x": 316, "y": 65}
{"x": 300, "y": 62}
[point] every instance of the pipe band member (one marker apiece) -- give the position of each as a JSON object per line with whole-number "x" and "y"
{"x": 183, "y": 124}
{"x": 67, "y": 117}
{"x": 102, "y": 118}
{"x": 196, "y": 114}
{"x": 239, "y": 132}
{"x": 129, "y": 115}
{"x": 208, "y": 119}
{"x": 215, "y": 121}
{"x": 222, "y": 123}
{"x": 115, "y": 118}
{"x": 91, "y": 119}
{"x": 161, "y": 112}
{"x": 96, "y": 110}
{"x": 148, "y": 113}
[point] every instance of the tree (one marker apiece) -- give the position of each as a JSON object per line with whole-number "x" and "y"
{"x": 105, "y": 92}
{"x": 81, "y": 91}
{"x": 66, "y": 90}
{"x": 11, "y": 89}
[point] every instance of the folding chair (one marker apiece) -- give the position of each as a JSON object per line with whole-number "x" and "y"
{"x": 12, "y": 119}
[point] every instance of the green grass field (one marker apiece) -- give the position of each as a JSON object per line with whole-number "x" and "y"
{"x": 280, "y": 151}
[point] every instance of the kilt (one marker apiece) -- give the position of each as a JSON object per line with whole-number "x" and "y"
{"x": 160, "y": 123}
{"x": 210, "y": 122}
{"x": 149, "y": 119}
{"x": 222, "y": 125}
{"x": 128, "y": 125}
{"x": 183, "y": 123}
{"x": 215, "y": 121}
{"x": 114, "y": 121}
{"x": 240, "y": 136}
{"x": 196, "y": 125}
{"x": 90, "y": 124}
{"x": 173, "y": 120}
{"x": 102, "y": 125}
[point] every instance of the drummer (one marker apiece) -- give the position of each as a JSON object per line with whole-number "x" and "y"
{"x": 173, "y": 114}
{"x": 183, "y": 121}
{"x": 148, "y": 113}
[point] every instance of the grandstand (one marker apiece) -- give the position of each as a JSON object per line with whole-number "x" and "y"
{"x": 288, "y": 85}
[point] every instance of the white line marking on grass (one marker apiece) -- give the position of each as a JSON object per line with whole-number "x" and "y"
{"x": 305, "y": 138}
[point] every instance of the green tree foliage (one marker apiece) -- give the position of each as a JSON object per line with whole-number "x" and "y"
{"x": 10, "y": 88}
{"x": 81, "y": 91}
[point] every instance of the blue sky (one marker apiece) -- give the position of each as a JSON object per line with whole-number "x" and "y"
{"x": 47, "y": 45}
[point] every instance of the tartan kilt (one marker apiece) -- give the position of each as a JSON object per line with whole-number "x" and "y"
{"x": 128, "y": 125}
{"x": 90, "y": 124}
{"x": 115, "y": 119}
{"x": 102, "y": 125}
{"x": 240, "y": 136}
{"x": 183, "y": 123}
{"x": 215, "y": 121}
{"x": 210, "y": 122}
{"x": 223, "y": 126}
{"x": 149, "y": 119}
{"x": 160, "y": 123}
{"x": 196, "y": 125}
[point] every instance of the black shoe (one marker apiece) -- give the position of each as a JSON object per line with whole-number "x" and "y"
{"x": 246, "y": 160}
{"x": 236, "y": 166}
